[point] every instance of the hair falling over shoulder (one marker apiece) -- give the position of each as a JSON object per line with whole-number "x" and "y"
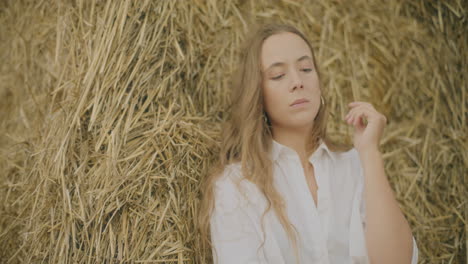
{"x": 246, "y": 137}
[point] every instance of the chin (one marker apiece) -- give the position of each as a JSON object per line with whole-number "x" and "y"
{"x": 301, "y": 122}
{"x": 304, "y": 117}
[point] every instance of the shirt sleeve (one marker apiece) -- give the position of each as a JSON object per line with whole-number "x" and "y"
{"x": 234, "y": 234}
{"x": 362, "y": 205}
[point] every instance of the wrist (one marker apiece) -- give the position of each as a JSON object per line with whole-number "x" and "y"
{"x": 369, "y": 152}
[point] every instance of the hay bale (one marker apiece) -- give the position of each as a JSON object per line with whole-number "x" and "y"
{"x": 110, "y": 114}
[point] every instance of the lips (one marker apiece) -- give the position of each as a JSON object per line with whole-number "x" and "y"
{"x": 298, "y": 101}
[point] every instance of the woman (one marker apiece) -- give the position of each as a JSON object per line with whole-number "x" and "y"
{"x": 283, "y": 192}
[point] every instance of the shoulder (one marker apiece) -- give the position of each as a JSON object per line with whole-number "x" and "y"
{"x": 348, "y": 163}
{"x": 230, "y": 174}
{"x": 345, "y": 158}
{"x": 229, "y": 191}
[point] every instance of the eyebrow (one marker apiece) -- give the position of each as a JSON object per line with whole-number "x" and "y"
{"x": 305, "y": 57}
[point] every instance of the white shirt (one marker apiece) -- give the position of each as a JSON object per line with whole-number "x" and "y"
{"x": 331, "y": 233}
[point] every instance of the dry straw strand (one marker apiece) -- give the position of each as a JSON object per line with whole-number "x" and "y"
{"x": 111, "y": 113}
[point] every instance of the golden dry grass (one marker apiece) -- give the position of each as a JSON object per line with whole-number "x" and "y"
{"x": 110, "y": 113}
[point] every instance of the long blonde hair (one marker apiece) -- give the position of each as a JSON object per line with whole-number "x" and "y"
{"x": 247, "y": 138}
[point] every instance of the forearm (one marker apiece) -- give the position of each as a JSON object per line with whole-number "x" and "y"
{"x": 388, "y": 234}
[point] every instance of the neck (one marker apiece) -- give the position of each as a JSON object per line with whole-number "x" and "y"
{"x": 293, "y": 138}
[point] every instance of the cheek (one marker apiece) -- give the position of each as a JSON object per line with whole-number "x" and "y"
{"x": 274, "y": 95}
{"x": 312, "y": 80}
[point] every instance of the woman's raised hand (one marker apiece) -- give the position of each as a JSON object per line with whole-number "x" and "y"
{"x": 366, "y": 136}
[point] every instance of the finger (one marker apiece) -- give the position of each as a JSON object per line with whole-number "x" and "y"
{"x": 352, "y": 111}
{"x": 352, "y": 116}
{"x": 360, "y": 103}
{"x": 370, "y": 109}
{"x": 358, "y": 117}
{"x": 352, "y": 105}
{"x": 358, "y": 114}
{"x": 349, "y": 115}
{"x": 368, "y": 115}
{"x": 362, "y": 119}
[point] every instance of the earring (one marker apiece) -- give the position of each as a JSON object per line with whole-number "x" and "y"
{"x": 322, "y": 103}
{"x": 265, "y": 119}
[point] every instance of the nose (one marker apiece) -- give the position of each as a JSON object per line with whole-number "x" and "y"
{"x": 296, "y": 81}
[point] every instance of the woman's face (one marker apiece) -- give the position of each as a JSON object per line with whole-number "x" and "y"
{"x": 289, "y": 75}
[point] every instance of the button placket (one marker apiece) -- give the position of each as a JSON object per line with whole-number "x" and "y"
{"x": 293, "y": 168}
{"x": 319, "y": 247}
{"x": 322, "y": 173}
{"x": 324, "y": 209}
{"x": 321, "y": 197}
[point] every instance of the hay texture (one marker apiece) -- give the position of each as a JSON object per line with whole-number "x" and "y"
{"x": 110, "y": 113}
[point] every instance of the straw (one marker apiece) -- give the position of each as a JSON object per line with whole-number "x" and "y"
{"x": 111, "y": 113}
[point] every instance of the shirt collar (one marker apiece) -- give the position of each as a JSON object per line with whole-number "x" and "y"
{"x": 278, "y": 148}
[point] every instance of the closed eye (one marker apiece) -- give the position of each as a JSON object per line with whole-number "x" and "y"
{"x": 307, "y": 70}
{"x": 277, "y": 77}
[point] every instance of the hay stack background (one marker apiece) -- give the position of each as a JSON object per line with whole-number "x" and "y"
{"x": 110, "y": 113}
